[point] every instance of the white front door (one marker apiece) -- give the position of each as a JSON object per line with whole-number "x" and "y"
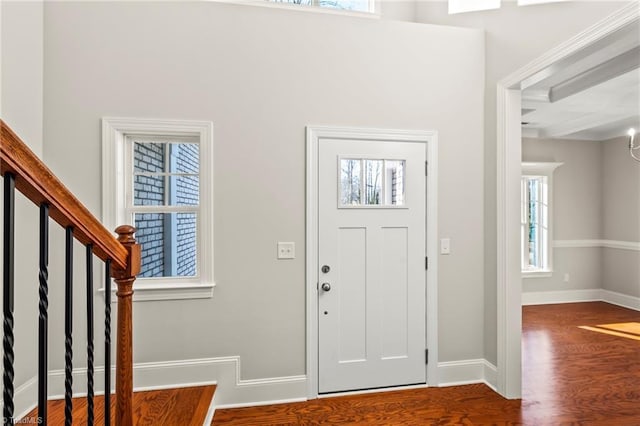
{"x": 371, "y": 261}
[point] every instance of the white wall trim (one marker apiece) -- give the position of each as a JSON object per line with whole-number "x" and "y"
{"x": 25, "y": 398}
{"x": 223, "y": 371}
{"x": 612, "y": 244}
{"x": 624, "y": 300}
{"x": 147, "y": 293}
{"x": 509, "y": 281}
{"x": 577, "y": 243}
{"x": 580, "y": 295}
{"x": 313, "y": 136}
{"x": 261, "y": 403}
{"x": 561, "y": 296}
{"x": 466, "y": 372}
{"x": 490, "y": 374}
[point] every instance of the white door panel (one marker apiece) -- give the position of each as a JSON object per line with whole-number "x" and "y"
{"x": 371, "y": 323}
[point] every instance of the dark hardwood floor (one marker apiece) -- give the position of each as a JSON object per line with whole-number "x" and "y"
{"x": 571, "y": 376}
{"x": 167, "y": 407}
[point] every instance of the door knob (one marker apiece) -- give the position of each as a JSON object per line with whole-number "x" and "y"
{"x": 326, "y": 286}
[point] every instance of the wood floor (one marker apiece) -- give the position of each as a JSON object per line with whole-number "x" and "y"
{"x": 169, "y": 407}
{"x": 571, "y": 376}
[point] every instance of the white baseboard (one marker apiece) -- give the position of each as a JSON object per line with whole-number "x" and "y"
{"x": 224, "y": 371}
{"x": 620, "y": 299}
{"x": 561, "y": 296}
{"x": 576, "y": 296}
{"x": 25, "y": 398}
{"x": 490, "y": 375}
{"x": 456, "y": 373}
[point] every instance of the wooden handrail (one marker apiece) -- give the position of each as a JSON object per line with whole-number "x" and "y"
{"x": 40, "y": 185}
{"x": 34, "y": 179}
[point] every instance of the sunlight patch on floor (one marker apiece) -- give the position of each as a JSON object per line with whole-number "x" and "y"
{"x": 629, "y": 330}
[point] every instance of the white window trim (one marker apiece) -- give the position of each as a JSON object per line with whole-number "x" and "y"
{"x": 534, "y": 2}
{"x": 114, "y": 135}
{"x": 464, "y": 6}
{"x": 546, "y": 170}
{"x": 375, "y": 13}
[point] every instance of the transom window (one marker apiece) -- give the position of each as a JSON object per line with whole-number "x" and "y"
{"x": 350, "y": 5}
{"x": 371, "y": 183}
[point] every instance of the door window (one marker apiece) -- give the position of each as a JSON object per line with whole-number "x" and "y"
{"x": 371, "y": 183}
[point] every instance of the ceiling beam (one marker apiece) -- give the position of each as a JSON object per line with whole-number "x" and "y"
{"x": 597, "y": 53}
{"x": 616, "y": 67}
{"x": 586, "y": 122}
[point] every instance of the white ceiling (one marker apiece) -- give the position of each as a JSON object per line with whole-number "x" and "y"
{"x": 594, "y": 96}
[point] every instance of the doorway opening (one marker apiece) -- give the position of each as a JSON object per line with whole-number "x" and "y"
{"x": 589, "y": 53}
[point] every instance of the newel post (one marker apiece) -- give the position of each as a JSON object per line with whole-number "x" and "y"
{"x": 124, "y": 279}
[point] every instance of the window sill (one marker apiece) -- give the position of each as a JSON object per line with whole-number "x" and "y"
{"x": 150, "y": 292}
{"x": 537, "y": 274}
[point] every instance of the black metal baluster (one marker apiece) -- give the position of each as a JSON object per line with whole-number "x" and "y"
{"x": 89, "y": 334}
{"x": 43, "y": 319}
{"x": 107, "y": 343}
{"x": 7, "y": 293}
{"x": 68, "y": 323}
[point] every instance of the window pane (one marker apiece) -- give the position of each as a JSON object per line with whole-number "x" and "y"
{"x": 185, "y": 264}
{"x": 148, "y": 157}
{"x": 168, "y": 244}
{"x": 150, "y": 234}
{"x": 534, "y": 228}
{"x": 394, "y": 182}
{"x": 148, "y": 190}
{"x": 184, "y": 190}
{"x": 185, "y": 158}
{"x": 350, "y": 178}
{"x": 373, "y": 182}
{"x": 357, "y": 5}
{"x": 307, "y": 2}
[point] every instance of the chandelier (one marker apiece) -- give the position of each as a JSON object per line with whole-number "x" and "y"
{"x": 632, "y": 146}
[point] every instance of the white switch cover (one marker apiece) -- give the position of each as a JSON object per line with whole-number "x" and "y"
{"x": 445, "y": 246}
{"x": 286, "y": 250}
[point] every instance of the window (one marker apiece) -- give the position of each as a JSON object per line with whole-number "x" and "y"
{"x": 165, "y": 203}
{"x": 371, "y": 183}
{"x": 153, "y": 173}
{"x": 350, "y": 5}
{"x": 462, "y": 6}
{"x": 536, "y": 218}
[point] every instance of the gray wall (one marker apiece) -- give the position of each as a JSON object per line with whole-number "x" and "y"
{"x": 21, "y": 107}
{"x": 577, "y": 211}
{"x": 596, "y": 197}
{"x": 515, "y": 35}
{"x": 621, "y": 217}
{"x": 261, "y": 75}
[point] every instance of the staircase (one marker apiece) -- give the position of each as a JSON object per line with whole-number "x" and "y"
{"x": 23, "y": 172}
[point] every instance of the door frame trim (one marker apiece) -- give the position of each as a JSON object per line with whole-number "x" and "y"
{"x": 314, "y": 135}
{"x": 509, "y": 147}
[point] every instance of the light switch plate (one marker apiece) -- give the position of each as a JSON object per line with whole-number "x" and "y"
{"x": 445, "y": 246}
{"x": 286, "y": 250}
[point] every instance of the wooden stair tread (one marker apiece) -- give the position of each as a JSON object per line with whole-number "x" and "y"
{"x": 177, "y": 406}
